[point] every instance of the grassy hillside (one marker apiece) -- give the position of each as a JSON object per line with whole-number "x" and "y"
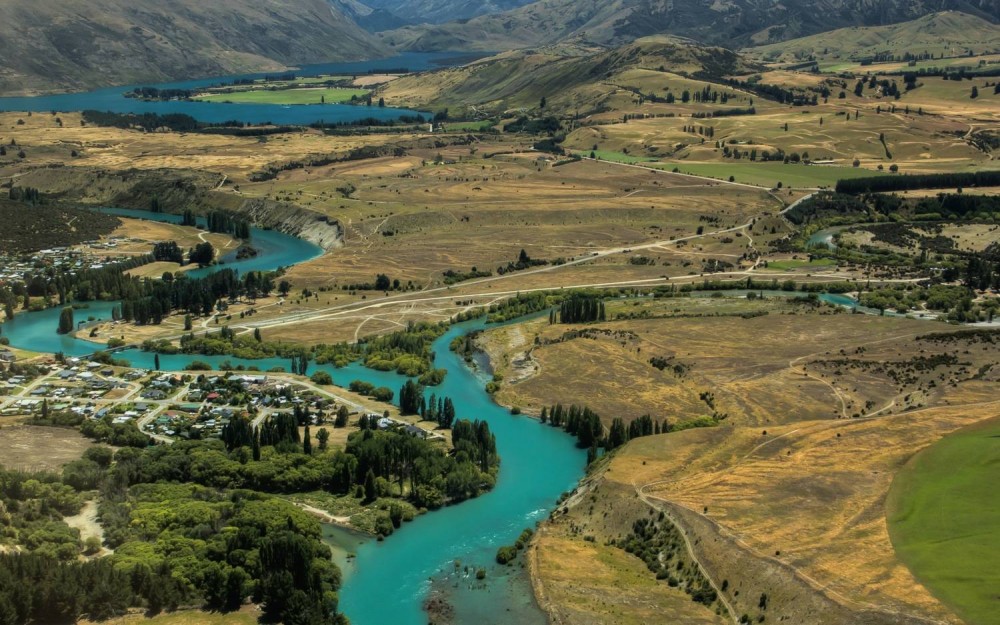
{"x": 780, "y": 497}
{"x": 569, "y": 77}
{"x": 950, "y": 33}
{"x": 723, "y": 22}
{"x": 75, "y": 44}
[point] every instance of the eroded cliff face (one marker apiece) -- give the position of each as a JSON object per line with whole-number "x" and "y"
{"x": 176, "y": 191}
{"x": 292, "y": 219}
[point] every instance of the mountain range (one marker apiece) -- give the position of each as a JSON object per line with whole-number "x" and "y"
{"x": 729, "y": 23}
{"x": 381, "y": 15}
{"x": 77, "y": 44}
{"x": 65, "y": 45}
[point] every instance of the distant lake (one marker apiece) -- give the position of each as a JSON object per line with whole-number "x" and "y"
{"x": 112, "y": 98}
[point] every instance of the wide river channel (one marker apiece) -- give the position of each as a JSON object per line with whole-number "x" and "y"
{"x": 388, "y": 581}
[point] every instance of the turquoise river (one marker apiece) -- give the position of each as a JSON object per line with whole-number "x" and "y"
{"x": 388, "y": 581}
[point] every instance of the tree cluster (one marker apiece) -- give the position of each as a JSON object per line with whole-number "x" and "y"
{"x": 582, "y": 309}
{"x": 882, "y": 184}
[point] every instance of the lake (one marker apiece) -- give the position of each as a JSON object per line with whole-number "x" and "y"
{"x": 112, "y": 99}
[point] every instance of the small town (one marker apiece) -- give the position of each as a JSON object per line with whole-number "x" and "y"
{"x": 19, "y": 268}
{"x": 170, "y": 406}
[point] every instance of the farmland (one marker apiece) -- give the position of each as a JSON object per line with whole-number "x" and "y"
{"x": 942, "y": 520}
{"x": 327, "y": 95}
{"x": 637, "y": 179}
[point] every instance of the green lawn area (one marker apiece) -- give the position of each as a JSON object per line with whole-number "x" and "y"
{"x": 970, "y": 63}
{"x": 286, "y": 96}
{"x": 785, "y": 265}
{"x": 616, "y": 157}
{"x": 769, "y": 174}
{"x": 944, "y": 520}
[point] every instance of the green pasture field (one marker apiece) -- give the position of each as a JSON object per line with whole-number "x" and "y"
{"x": 769, "y": 174}
{"x": 944, "y": 520}
{"x": 785, "y": 265}
{"x": 286, "y": 96}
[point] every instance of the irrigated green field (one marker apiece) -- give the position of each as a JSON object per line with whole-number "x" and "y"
{"x": 332, "y": 95}
{"x": 944, "y": 520}
{"x": 769, "y": 174}
{"x": 616, "y": 157}
{"x": 757, "y": 173}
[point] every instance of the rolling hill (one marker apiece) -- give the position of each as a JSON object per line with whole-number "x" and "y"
{"x": 730, "y": 23}
{"x": 58, "y": 45}
{"x": 571, "y": 78}
{"x": 948, "y": 33}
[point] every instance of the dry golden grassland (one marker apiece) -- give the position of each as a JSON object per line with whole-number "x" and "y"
{"x": 35, "y": 448}
{"x": 591, "y": 583}
{"x": 45, "y": 143}
{"x": 135, "y": 237}
{"x": 817, "y": 495}
{"x": 799, "y": 494}
{"x": 414, "y": 221}
{"x": 917, "y": 143}
{"x": 967, "y": 237}
{"x": 761, "y": 370}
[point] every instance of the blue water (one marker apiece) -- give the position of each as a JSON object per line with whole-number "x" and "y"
{"x": 391, "y": 579}
{"x": 822, "y": 238}
{"x": 274, "y": 249}
{"x": 112, "y": 99}
{"x": 35, "y": 331}
{"x": 387, "y": 582}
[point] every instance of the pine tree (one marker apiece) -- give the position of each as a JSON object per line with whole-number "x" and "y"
{"x": 448, "y": 414}
{"x": 342, "y": 417}
{"x": 307, "y": 447}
